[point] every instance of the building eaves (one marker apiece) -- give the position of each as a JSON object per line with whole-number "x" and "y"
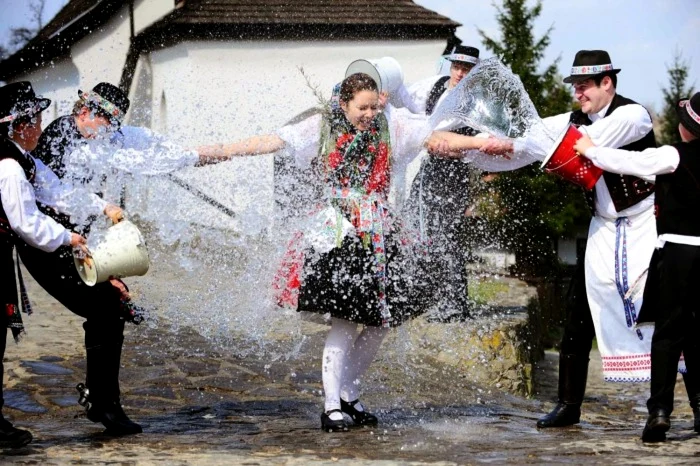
{"x": 298, "y": 20}
{"x": 75, "y": 20}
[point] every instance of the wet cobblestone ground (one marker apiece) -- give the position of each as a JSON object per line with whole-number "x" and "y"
{"x": 200, "y": 404}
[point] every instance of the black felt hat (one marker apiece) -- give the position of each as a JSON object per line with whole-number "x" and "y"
{"x": 464, "y": 53}
{"x": 688, "y": 111}
{"x": 18, "y": 100}
{"x": 109, "y": 99}
{"x": 590, "y": 63}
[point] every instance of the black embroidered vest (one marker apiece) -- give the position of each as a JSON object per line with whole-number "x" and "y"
{"x": 678, "y": 194}
{"x": 625, "y": 190}
{"x": 435, "y": 93}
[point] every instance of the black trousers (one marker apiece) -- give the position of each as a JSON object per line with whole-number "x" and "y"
{"x": 578, "y": 330}
{"x": 676, "y": 327}
{"x": 100, "y": 305}
{"x": 3, "y": 343}
{"x": 442, "y": 187}
{"x": 8, "y": 295}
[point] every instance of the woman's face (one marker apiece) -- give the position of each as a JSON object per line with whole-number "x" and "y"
{"x": 361, "y": 109}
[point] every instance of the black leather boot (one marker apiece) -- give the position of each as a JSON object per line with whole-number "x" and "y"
{"x": 12, "y": 437}
{"x": 329, "y": 425}
{"x": 360, "y": 418}
{"x": 573, "y": 372}
{"x": 694, "y": 398}
{"x": 658, "y": 423}
{"x": 101, "y": 396}
{"x": 113, "y": 417}
{"x": 110, "y": 414}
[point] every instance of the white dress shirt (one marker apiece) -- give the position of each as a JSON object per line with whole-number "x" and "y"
{"x": 19, "y": 203}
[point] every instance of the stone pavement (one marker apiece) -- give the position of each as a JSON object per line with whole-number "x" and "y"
{"x": 203, "y": 402}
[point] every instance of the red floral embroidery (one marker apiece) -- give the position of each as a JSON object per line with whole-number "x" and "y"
{"x": 334, "y": 159}
{"x": 379, "y": 178}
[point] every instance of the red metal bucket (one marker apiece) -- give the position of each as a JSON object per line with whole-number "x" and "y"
{"x": 570, "y": 165}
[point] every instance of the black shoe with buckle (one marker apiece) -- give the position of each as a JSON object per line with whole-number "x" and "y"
{"x": 113, "y": 417}
{"x": 360, "y": 418}
{"x": 329, "y": 425}
{"x": 12, "y": 437}
{"x": 657, "y": 425}
{"x": 110, "y": 414}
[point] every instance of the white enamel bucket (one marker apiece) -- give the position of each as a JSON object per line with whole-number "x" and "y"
{"x": 121, "y": 253}
{"x": 386, "y": 71}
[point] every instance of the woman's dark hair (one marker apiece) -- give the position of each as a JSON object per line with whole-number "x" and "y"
{"x": 356, "y": 83}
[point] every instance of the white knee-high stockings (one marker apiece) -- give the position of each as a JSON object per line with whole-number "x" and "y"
{"x": 346, "y": 357}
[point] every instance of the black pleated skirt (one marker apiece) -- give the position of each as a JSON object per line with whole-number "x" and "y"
{"x": 343, "y": 283}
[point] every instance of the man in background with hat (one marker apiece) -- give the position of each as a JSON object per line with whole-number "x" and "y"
{"x": 43, "y": 245}
{"x": 669, "y": 302}
{"x": 440, "y": 190}
{"x": 621, "y": 238}
{"x": 97, "y": 113}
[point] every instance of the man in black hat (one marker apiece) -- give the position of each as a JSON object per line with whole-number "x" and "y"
{"x": 621, "y": 239}
{"x": 669, "y": 302}
{"x": 440, "y": 191}
{"x": 44, "y": 247}
{"x": 96, "y": 113}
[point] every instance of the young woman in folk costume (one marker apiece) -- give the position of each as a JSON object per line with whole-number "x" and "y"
{"x": 350, "y": 265}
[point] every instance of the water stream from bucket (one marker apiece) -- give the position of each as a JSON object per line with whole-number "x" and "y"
{"x": 492, "y": 100}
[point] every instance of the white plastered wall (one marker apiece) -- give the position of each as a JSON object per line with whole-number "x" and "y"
{"x": 226, "y": 91}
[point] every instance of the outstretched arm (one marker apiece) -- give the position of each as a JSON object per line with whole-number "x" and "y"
{"x": 645, "y": 164}
{"x": 255, "y": 145}
{"x": 452, "y": 145}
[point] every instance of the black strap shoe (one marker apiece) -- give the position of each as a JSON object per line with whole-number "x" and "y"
{"x": 12, "y": 437}
{"x": 113, "y": 417}
{"x": 360, "y": 418}
{"x": 329, "y": 425}
{"x": 657, "y": 425}
{"x": 696, "y": 419}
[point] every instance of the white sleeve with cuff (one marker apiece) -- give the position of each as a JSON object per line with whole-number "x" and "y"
{"x": 645, "y": 164}
{"x": 302, "y": 139}
{"x": 25, "y": 219}
{"x": 415, "y": 97}
{"x": 64, "y": 196}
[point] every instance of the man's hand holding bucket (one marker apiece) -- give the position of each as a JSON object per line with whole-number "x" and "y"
{"x": 583, "y": 144}
{"x": 114, "y": 212}
{"x": 79, "y": 244}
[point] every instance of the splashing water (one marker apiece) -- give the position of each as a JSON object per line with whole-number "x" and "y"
{"x": 491, "y": 99}
{"x": 216, "y": 280}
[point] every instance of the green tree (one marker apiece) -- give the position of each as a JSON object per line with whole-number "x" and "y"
{"x": 533, "y": 208}
{"x": 677, "y": 90}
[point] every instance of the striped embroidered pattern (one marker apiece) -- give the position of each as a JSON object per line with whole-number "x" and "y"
{"x": 691, "y": 112}
{"x": 635, "y": 362}
{"x": 462, "y": 57}
{"x": 591, "y": 69}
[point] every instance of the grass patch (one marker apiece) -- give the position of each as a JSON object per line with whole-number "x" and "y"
{"x": 485, "y": 291}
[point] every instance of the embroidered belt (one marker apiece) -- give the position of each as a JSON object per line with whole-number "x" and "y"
{"x": 621, "y": 278}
